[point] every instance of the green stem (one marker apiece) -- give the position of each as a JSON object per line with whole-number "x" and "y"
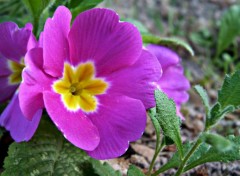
{"x": 186, "y": 158}
{"x": 157, "y": 151}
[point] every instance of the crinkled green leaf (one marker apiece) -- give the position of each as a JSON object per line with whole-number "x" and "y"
{"x": 203, "y": 94}
{"x": 47, "y": 153}
{"x": 167, "y": 118}
{"x": 134, "y": 171}
{"x": 229, "y": 28}
{"x": 230, "y": 91}
{"x": 216, "y": 141}
{"x": 104, "y": 169}
{"x": 36, "y": 8}
{"x": 83, "y": 5}
{"x": 211, "y": 154}
{"x": 170, "y": 42}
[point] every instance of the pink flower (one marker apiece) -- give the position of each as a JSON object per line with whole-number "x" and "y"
{"x": 173, "y": 82}
{"x": 14, "y": 43}
{"x": 94, "y": 79}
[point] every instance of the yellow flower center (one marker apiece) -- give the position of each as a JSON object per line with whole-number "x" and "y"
{"x": 78, "y": 87}
{"x": 16, "y": 68}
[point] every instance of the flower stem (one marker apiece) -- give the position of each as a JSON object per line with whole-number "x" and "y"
{"x": 157, "y": 151}
{"x": 186, "y": 158}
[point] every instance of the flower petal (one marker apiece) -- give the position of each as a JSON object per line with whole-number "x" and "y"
{"x": 75, "y": 126}
{"x": 4, "y": 68}
{"x": 6, "y": 90}
{"x": 119, "y": 119}
{"x": 137, "y": 81}
{"x": 34, "y": 82}
{"x": 13, "y": 41}
{"x": 166, "y": 56}
{"x": 31, "y": 100}
{"x": 14, "y": 121}
{"x": 174, "y": 79}
{"x": 98, "y": 35}
{"x": 55, "y": 42}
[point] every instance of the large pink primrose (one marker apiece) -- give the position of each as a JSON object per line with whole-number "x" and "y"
{"x": 14, "y": 43}
{"x": 94, "y": 79}
{"x": 173, "y": 82}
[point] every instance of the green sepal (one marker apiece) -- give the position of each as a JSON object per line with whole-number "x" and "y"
{"x": 218, "y": 142}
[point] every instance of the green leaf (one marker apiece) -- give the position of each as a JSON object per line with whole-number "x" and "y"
{"x": 167, "y": 118}
{"x": 229, "y": 28}
{"x": 169, "y": 42}
{"x": 202, "y": 93}
{"x": 12, "y": 8}
{"x": 216, "y": 113}
{"x": 218, "y": 142}
{"x": 36, "y": 8}
{"x": 134, "y": 171}
{"x": 211, "y": 154}
{"x": 84, "y": 5}
{"x": 74, "y": 3}
{"x": 230, "y": 91}
{"x": 104, "y": 169}
{"x": 47, "y": 153}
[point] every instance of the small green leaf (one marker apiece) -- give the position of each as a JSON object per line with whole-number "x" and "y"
{"x": 36, "y": 8}
{"x": 104, "y": 169}
{"x": 134, "y": 171}
{"x": 211, "y": 154}
{"x": 202, "y": 93}
{"x": 167, "y": 118}
{"x": 84, "y": 5}
{"x": 169, "y": 42}
{"x": 47, "y": 153}
{"x": 229, "y": 28}
{"x": 218, "y": 142}
{"x": 230, "y": 91}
